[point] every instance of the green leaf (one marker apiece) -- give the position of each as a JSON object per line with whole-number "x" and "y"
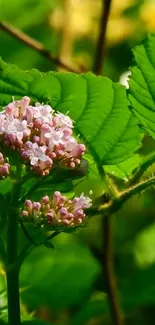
{"x": 3, "y": 210}
{"x": 36, "y": 322}
{"x": 139, "y": 288}
{"x": 97, "y": 105}
{"x": 142, "y": 84}
{"x": 125, "y": 169}
{"x": 5, "y": 185}
{"x": 59, "y": 277}
{"x": 94, "y": 309}
{"x": 26, "y": 13}
{"x": 3, "y": 300}
{"x": 143, "y": 248}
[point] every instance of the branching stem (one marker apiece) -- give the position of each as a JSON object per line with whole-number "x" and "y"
{"x": 100, "y": 48}
{"x": 12, "y": 273}
{"x": 147, "y": 162}
{"x": 109, "y": 274}
{"x": 108, "y": 263}
{"x": 115, "y": 204}
{"x": 35, "y": 45}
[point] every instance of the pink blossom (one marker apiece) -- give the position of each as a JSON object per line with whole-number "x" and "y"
{"x": 17, "y": 108}
{"x": 4, "y": 167}
{"x": 45, "y": 132}
{"x": 58, "y": 210}
{"x": 55, "y": 138}
{"x": 82, "y": 202}
{"x": 43, "y": 113}
{"x": 35, "y": 152}
{"x": 62, "y": 121}
{"x": 78, "y": 150}
{"x": 42, "y": 137}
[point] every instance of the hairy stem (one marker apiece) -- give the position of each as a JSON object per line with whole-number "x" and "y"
{"x": 100, "y": 48}
{"x": 12, "y": 253}
{"x": 115, "y": 204}
{"x": 135, "y": 189}
{"x": 35, "y": 45}
{"x": 109, "y": 273}
{"x": 111, "y": 190}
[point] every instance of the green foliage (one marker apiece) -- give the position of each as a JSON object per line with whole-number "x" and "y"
{"x": 139, "y": 289}
{"x": 39, "y": 11}
{"x": 5, "y": 186}
{"x": 97, "y": 105}
{"x": 143, "y": 247}
{"x": 36, "y": 322}
{"x": 58, "y": 278}
{"x": 3, "y": 210}
{"x": 68, "y": 279}
{"x": 125, "y": 169}
{"x": 93, "y": 309}
{"x": 142, "y": 84}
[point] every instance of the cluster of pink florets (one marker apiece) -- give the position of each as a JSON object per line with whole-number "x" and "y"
{"x": 57, "y": 211}
{"x": 41, "y": 136}
{"x": 4, "y": 167}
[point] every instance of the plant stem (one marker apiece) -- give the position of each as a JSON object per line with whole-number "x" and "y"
{"x": 26, "y": 234}
{"x": 109, "y": 274}
{"x": 12, "y": 273}
{"x": 108, "y": 267}
{"x": 100, "y": 48}
{"x": 111, "y": 190}
{"x": 124, "y": 196}
{"x": 115, "y": 204}
{"x": 35, "y": 45}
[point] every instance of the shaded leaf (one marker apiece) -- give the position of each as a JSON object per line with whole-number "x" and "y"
{"x": 3, "y": 210}
{"x": 36, "y": 322}
{"x": 5, "y": 186}
{"x": 91, "y": 310}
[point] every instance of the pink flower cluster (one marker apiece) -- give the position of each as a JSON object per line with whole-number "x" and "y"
{"x": 4, "y": 167}
{"x": 57, "y": 211}
{"x": 41, "y": 136}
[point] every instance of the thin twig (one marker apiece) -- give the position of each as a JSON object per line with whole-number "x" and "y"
{"x": 54, "y": 234}
{"x": 26, "y": 233}
{"x": 100, "y": 48}
{"x": 35, "y": 45}
{"x": 109, "y": 274}
{"x": 34, "y": 187}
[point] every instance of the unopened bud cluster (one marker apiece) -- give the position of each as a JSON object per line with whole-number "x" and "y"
{"x": 40, "y": 135}
{"x": 57, "y": 211}
{"x": 4, "y": 167}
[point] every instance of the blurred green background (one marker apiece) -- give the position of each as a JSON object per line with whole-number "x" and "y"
{"x": 66, "y": 286}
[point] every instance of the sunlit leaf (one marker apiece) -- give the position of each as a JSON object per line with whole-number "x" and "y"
{"x": 97, "y": 105}
{"x": 142, "y": 84}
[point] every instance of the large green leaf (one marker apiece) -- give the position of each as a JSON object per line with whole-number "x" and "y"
{"x": 97, "y": 105}
{"x": 142, "y": 84}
